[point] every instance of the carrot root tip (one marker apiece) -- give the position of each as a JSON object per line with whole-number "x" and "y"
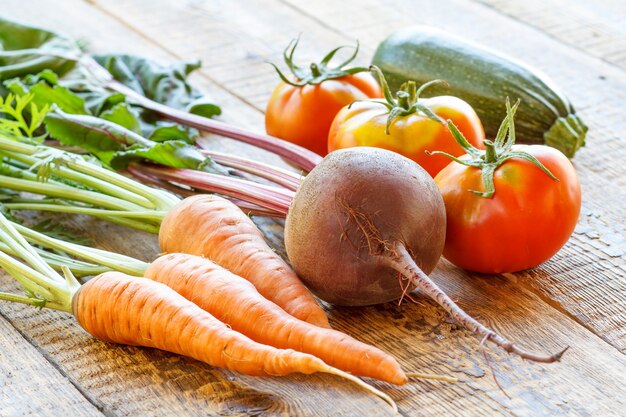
{"x": 364, "y": 385}
{"x": 434, "y": 377}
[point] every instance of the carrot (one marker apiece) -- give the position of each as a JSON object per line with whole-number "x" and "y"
{"x": 213, "y": 227}
{"x": 119, "y": 308}
{"x": 235, "y": 301}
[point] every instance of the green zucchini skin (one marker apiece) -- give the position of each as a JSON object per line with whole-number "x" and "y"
{"x": 484, "y": 79}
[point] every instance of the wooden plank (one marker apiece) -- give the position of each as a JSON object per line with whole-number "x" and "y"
{"x": 238, "y": 38}
{"x": 101, "y": 38}
{"x": 146, "y": 382}
{"x": 128, "y": 381}
{"x": 581, "y": 280}
{"x": 597, "y": 28}
{"x": 26, "y": 374}
{"x": 159, "y": 21}
{"x": 142, "y": 382}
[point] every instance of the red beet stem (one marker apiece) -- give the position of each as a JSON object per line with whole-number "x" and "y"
{"x": 287, "y": 179}
{"x": 247, "y": 207}
{"x": 272, "y": 198}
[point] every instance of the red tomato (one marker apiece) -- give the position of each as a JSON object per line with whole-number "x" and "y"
{"x": 364, "y": 124}
{"x": 528, "y": 219}
{"x": 303, "y": 114}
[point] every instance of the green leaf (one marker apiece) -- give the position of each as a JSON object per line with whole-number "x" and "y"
{"x": 26, "y": 50}
{"x": 203, "y": 107}
{"x": 95, "y": 135}
{"x": 160, "y": 130}
{"x": 56, "y": 230}
{"x": 47, "y": 75}
{"x": 15, "y": 118}
{"x": 46, "y": 91}
{"x": 88, "y": 115}
{"x": 29, "y": 50}
{"x": 166, "y": 84}
{"x": 117, "y": 146}
{"x": 97, "y": 98}
{"x": 175, "y": 154}
{"x": 124, "y": 116}
{"x": 44, "y": 94}
{"x": 170, "y": 131}
{"x": 100, "y": 102}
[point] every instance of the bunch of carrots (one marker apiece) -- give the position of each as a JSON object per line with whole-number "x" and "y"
{"x": 157, "y": 311}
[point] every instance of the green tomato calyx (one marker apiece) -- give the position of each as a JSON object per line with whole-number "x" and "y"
{"x": 316, "y": 72}
{"x": 495, "y": 154}
{"x": 406, "y": 101}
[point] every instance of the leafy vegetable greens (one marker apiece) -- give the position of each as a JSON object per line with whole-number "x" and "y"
{"x": 79, "y": 111}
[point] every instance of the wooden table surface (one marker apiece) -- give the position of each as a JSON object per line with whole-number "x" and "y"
{"x": 50, "y": 367}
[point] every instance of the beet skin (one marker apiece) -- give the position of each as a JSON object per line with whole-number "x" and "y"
{"x": 347, "y": 217}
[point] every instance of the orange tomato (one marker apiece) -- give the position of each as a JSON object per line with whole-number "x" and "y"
{"x": 303, "y": 114}
{"x": 364, "y": 123}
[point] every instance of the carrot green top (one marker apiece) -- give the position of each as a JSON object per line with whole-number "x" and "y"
{"x": 34, "y": 268}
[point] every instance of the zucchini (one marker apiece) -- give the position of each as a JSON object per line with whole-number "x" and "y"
{"x": 484, "y": 79}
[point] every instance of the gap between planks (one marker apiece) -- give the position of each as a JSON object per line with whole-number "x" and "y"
{"x": 522, "y": 283}
{"x": 558, "y": 306}
{"x": 479, "y": 3}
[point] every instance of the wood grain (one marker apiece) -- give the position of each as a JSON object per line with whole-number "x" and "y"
{"x": 584, "y": 282}
{"x": 597, "y": 28}
{"x": 30, "y": 385}
{"x": 259, "y": 29}
{"x": 586, "y": 279}
{"x": 129, "y": 381}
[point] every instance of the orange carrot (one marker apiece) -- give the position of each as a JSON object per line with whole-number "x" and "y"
{"x": 137, "y": 311}
{"x": 213, "y": 227}
{"x": 235, "y": 301}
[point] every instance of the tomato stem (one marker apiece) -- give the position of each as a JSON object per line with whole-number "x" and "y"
{"x": 495, "y": 154}
{"x": 491, "y": 155}
{"x": 315, "y": 70}
{"x": 406, "y": 101}
{"x": 318, "y": 72}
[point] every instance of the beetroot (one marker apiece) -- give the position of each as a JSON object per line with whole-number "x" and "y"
{"x": 366, "y": 225}
{"x": 347, "y": 218}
